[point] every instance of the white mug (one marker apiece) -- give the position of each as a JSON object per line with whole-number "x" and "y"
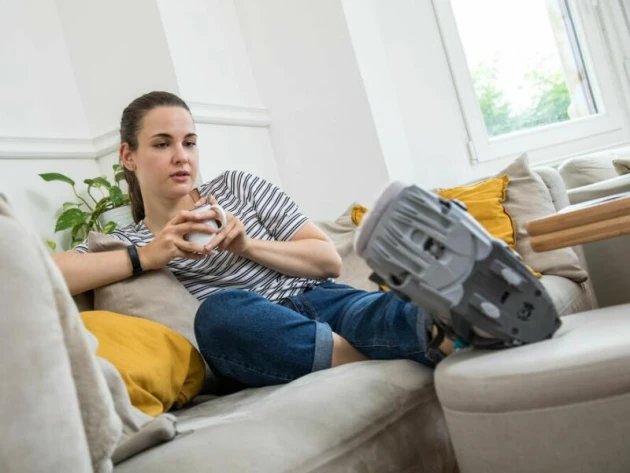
{"x": 201, "y": 238}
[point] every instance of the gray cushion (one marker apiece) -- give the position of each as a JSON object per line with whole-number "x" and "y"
{"x": 354, "y": 270}
{"x": 155, "y": 295}
{"x": 372, "y": 416}
{"x": 528, "y": 198}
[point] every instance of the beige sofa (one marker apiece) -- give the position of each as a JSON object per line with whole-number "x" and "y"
{"x": 373, "y": 416}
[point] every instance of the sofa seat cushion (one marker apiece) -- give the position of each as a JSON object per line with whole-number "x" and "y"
{"x": 559, "y": 405}
{"x": 372, "y": 416}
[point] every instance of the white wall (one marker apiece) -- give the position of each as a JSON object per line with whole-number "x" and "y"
{"x": 419, "y": 73}
{"x": 363, "y": 22}
{"x": 322, "y": 132}
{"x": 39, "y": 100}
{"x": 208, "y": 52}
{"x": 224, "y": 148}
{"x": 38, "y": 91}
{"x": 119, "y": 51}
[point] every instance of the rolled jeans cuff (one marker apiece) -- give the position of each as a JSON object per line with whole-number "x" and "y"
{"x": 322, "y": 358}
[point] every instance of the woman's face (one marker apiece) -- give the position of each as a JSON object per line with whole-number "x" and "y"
{"x": 166, "y": 159}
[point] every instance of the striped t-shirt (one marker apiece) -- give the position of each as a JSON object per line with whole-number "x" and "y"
{"x": 267, "y": 213}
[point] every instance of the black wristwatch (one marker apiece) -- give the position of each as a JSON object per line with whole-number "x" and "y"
{"x": 135, "y": 260}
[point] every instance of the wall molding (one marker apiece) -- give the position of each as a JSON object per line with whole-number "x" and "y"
{"x": 215, "y": 114}
{"x": 58, "y": 148}
{"x": 101, "y": 145}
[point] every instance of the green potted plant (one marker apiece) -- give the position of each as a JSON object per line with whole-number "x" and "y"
{"x": 103, "y": 213}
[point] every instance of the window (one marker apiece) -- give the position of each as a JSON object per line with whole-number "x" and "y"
{"x": 532, "y": 76}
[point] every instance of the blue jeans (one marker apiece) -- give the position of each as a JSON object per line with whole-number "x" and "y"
{"x": 246, "y": 338}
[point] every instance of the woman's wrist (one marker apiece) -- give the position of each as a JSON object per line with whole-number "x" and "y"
{"x": 248, "y": 248}
{"x": 144, "y": 253}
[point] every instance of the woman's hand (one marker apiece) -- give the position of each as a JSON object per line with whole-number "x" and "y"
{"x": 232, "y": 237}
{"x": 170, "y": 242}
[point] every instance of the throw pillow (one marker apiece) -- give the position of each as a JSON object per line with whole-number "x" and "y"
{"x": 578, "y": 172}
{"x": 622, "y": 165}
{"x": 484, "y": 202}
{"x": 528, "y": 198}
{"x": 154, "y": 295}
{"x": 160, "y": 368}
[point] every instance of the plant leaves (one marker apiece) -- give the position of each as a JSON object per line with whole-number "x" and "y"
{"x": 117, "y": 196}
{"x": 102, "y": 205}
{"x": 79, "y": 231}
{"x": 102, "y": 182}
{"x": 51, "y": 244}
{"x": 109, "y": 227}
{"x": 70, "y": 218}
{"x": 120, "y": 176}
{"x": 55, "y": 176}
{"x": 67, "y": 205}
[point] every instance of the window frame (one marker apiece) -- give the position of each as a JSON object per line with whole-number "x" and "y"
{"x": 550, "y": 142}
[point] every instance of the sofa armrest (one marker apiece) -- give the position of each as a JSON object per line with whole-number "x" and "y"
{"x": 615, "y": 185}
{"x": 608, "y": 272}
{"x": 608, "y": 269}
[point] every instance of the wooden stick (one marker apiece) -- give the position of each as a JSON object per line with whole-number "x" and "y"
{"x": 579, "y": 217}
{"x": 601, "y": 230}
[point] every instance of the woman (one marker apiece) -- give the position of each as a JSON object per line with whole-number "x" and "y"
{"x": 269, "y": 311}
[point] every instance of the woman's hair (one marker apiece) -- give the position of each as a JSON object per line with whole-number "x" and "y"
{"x": 130, "y": 125}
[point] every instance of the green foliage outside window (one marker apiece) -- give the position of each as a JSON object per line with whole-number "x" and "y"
{"x": 550, "y": 102}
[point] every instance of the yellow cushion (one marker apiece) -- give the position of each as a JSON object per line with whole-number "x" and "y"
{"x": 483, "y": 200}
{"x": 357, "y": 213}
{"x": 160, "y": 367}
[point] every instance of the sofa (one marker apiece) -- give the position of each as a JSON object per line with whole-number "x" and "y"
{"x": 373, "y": 416}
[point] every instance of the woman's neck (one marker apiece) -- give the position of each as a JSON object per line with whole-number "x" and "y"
{"x": 159, "y": 212}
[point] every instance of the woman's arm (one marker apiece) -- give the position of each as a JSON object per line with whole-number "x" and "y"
{"x": 83, "y": 272}
{"x": 309, "y": 254}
